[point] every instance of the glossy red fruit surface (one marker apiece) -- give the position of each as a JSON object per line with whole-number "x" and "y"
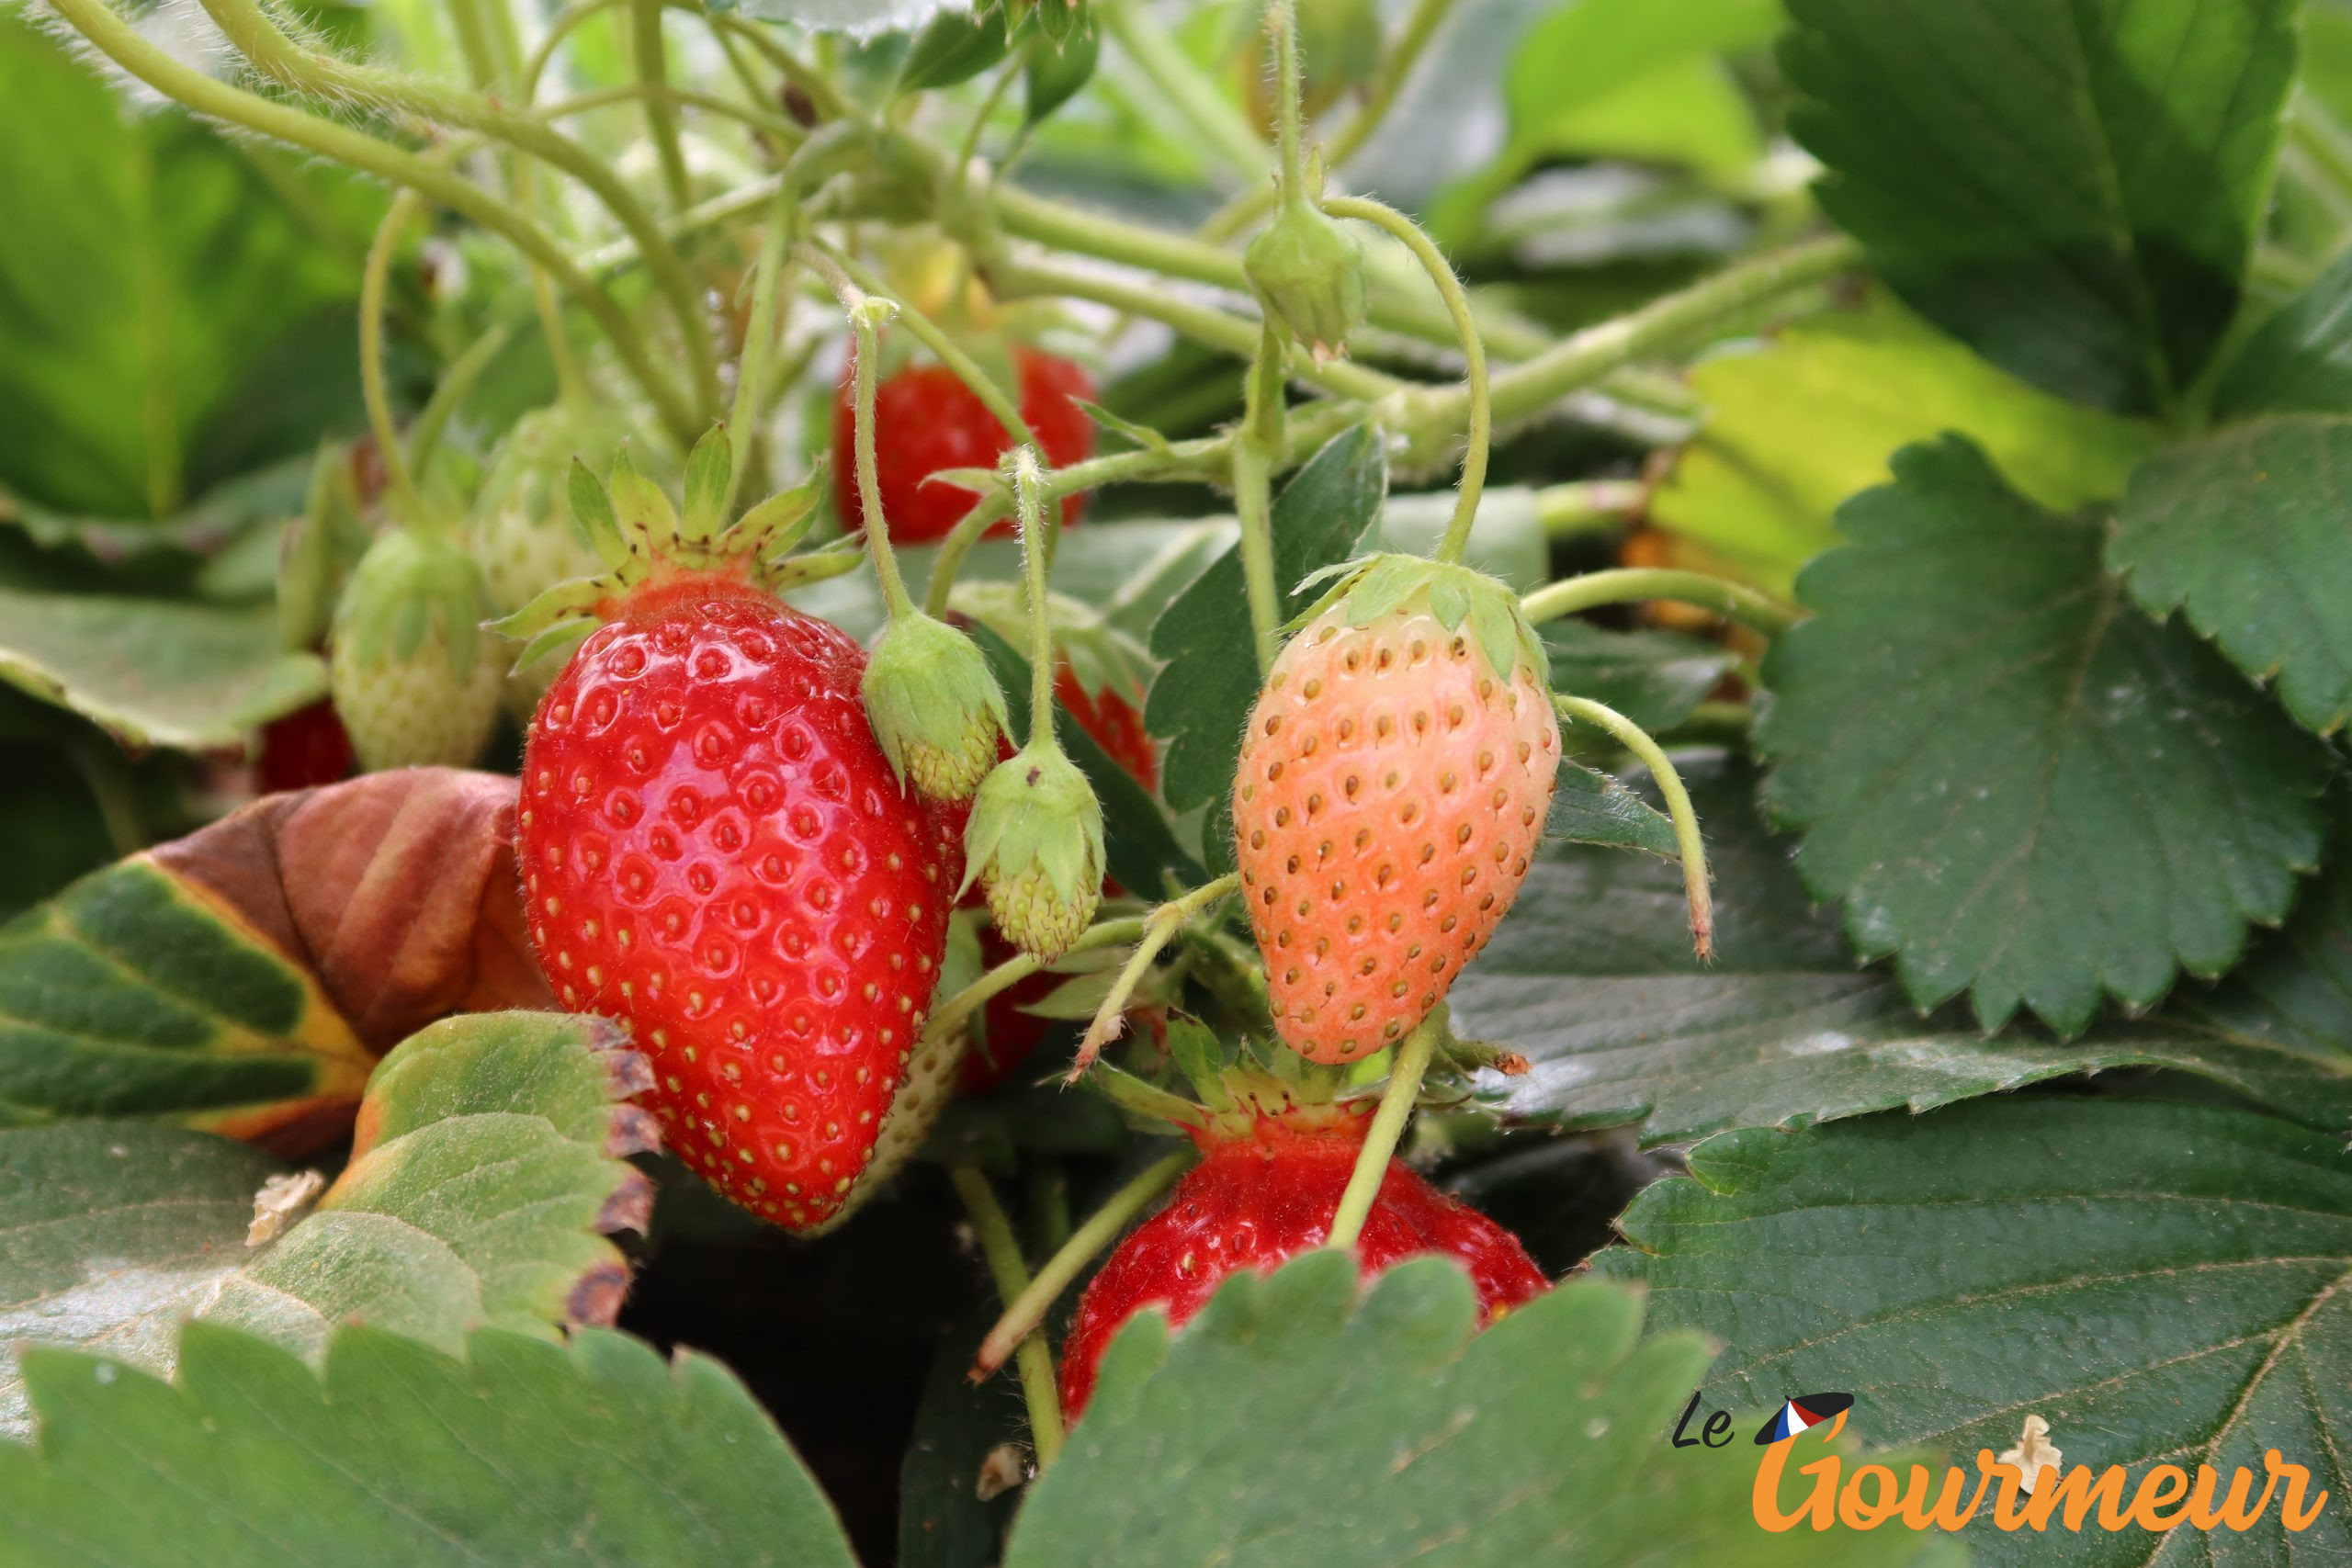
{"x": 715, "y": 850}
{"x": 925, "y": 418}
{"x": 306, "y": 748}
{"x": 1259, "y": 1200}
{"x": 1113, "y": 723}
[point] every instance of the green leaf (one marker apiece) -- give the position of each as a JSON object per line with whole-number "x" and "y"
{"x": 1593, "y": 979}
{"x": 2245, "y": 530}
{"x": 1293, "y": 1423}
{"x": 2071, "y": 188}
{"x": 1796, "y": 425}
{"x": 525, "y": 1453}
{"x": 153, "y": 672}
{"x": 1204, "y": 692}
{"x": 2159, "y": 1282}
{"x": 943, "y": 1521}
{"x": 2015, "y": 782}
{"x": 1590, "y": 807}
{"x": 956, "y": 46}
{"x": 2301, "y": 359}
{"x": 860, "y": 19}
{"x": 1139, "y": 849}
{"x": 170, "y": 266}
{"x": 1053, "y": 76}
{"x": 487, "y": 1169}
{"x": 1653, "y": 678}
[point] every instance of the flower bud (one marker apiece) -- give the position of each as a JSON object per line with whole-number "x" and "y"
{"x": 1035, "y": 844}
{"x": 1310, "y": 272}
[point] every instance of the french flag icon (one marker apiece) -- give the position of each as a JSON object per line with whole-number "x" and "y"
{"x": 1805, "y": 1410}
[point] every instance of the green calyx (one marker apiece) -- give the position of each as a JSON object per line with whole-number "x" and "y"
{"x": 1034, "y": 844}
{"x": 643, "y": 541}
{"x": 1309, "y": 273}
{"x": 1381, "y": 585}
{"x": 1236, "y": 1089}
{"x": 935, "y": 706}
{"x": 409, "y": 584}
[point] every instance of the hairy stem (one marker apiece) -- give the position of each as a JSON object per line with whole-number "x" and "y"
{"x": 1029, "y": 507}
{"x": 1387, "y": 1126}
{"x": 374, "y": 280}
{"x": 1282, "y": 23}
{"x": 957, "y": 1010}
{"x": 1693, "y": 848}
{"x": 1473, "y": 354}
{"x": 772, "y": 125}
{"x": 868, "y": 356}
{"x": 1586, "y": 506}
{"x": 661, "y": 118}
{"x": 1027, "y": 1312}
{"x": 1634, "y": 585}
{"x": 1039, "y": 1388}
{"x": 1158, "y": 926}
{"x": 1397, "y": 65}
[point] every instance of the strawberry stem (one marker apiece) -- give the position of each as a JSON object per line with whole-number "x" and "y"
{"x": 1028, "y": 489}
{"x": 1253, "y": 464}
{"x": 951, "y": 1015}
{"x": 1025, "y": 1311}
{"x": 1039, "y": 1387}
{"x": 1387, "y": 1126}
{"x": 1281, "y": 25}
{"x": 861, "y": 308}
{"x": 1474, "y": 356}
{"x": 759, "y": 337}
{"x": 373, "y": 277}
{"x": 1637, "y": 740}
{"x": 654, "y": 69}
{"x": 1160, "y": 927}
{"x": 1629, "y": 585}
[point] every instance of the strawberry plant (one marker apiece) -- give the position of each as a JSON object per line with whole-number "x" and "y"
{"x": 1684, "y": 782}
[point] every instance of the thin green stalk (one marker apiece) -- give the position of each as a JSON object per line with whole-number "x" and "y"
{"x": 1693, "y": 848}
{"x": 861, "y": 311}
{"x": 1039, "y": 1387}
{"x": 1029, "y": 510}
{"x": 120, "y": 42}
{"x": 1254, "y": 450}
{"x": 1026, "y": 1312}
{"x": 943, "y": 349}
{"x": 1586, "y": 506}
{"x": 1159, "y": 927}
{"x": 1397, "y": 65}
{"x": 1196, "y": 102}
{"x": 775, "y": 125}
{"x": 759, "y": 338}
{"x": 957, "y": 1010}
{"x": 1666, "y": 323}
{"x": 449, "y": 395}
{"x": 1387, "y": 1126}
{"x": 275, "y": 53}
{"x": 1282, "y": 22}
{"x": 661, "y": 118}
{"x": 1236, "y": 335}
{"x": 1473, "y": 354}
{"x": 1634, "y": 585}
{"x": 559, "y": 26}
{"x": 375, "y": 275}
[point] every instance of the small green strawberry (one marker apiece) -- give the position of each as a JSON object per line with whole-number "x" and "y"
{"x": 935, "y": 706}
{"x": 1035, "y": 845}
{"x": 414, "y": 677}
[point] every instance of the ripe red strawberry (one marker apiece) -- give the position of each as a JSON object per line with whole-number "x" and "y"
{"x": 925, "y": 418}
{"x": 1394, "y": 780}
{"x": 1260, "y": 1196}
{"x": 305, "y": 747}
{"x": 714, "y": 848}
